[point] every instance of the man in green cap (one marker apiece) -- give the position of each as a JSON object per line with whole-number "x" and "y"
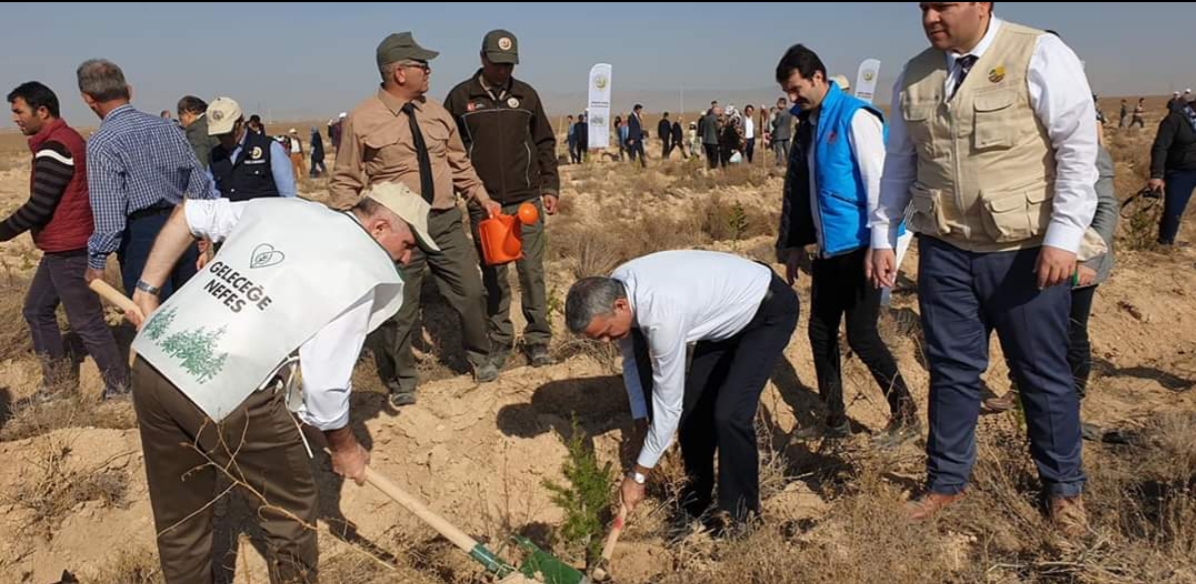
{"x": 397, "y": 135}
{"x": 513, "y": 148}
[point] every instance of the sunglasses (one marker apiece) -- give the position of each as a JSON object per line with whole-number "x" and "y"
{"x": 418, "y": 65}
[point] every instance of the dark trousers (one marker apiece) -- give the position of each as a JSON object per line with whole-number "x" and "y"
{"x": 532, "y": 288}
{"x": 1178, "y": 192}
{"x": 665, "y": 148}
{"x": 713, "y": 160}
{"x": 59, "y": 279}
{"x": 749, "y": 149}
{"x": 317, "y": 167}
{"x": 138, "y": 239}
{"x": 839, "y": 287}
{"x": 637, "y": 150}
{"x": 964, "y": 296}
{"x": 1079, "y": 348}
{"x": 722, "y": 392}
{"x": 574, "y": 153}
{"x": 456, "y": 273}
{"x": 269, "y": 457}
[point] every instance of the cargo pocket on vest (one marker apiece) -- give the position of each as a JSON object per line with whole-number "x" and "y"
{"x": 917, "y": 125}
{"x": 991, "y": 129}
{"x": 1018, "y": 214}
{"x": 926, "y": 211}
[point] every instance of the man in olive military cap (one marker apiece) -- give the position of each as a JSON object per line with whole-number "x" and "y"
{"x": 513, "y": 148}
{"x": 397, "y": 135}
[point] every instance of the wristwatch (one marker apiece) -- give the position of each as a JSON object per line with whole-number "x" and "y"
{"x": 144, "y": 287}
{"x": 639, "y": 477}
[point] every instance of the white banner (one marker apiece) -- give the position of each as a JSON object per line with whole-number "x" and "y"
{"x": 598, "y": 112}
{"x": 865, "y": 81}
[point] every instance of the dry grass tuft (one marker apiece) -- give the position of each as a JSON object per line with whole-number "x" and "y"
{"x": 139, "y": 566}
{"x": 54, "y": 489}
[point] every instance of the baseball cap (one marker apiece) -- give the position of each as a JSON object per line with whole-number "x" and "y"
{"x": 841, "y": 81}
{"x": 409, "y": 206}
{"x": 293, "y": 131}
{"x": 401, "y": 46}
{"x": 223, "y": 114}
{"x": 342, "y": 115}
{"x": 501, "y": 47}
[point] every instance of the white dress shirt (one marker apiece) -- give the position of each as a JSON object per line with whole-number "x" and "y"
{"x": 328, "y": 358}
{"x": 677, "y": 298}
{"x": 749, "y": 128}
{"x": 1062, "y": 100}
{"x": 867, "y": 140}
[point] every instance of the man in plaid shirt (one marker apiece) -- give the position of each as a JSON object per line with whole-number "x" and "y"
{"x": 139, "y": 167}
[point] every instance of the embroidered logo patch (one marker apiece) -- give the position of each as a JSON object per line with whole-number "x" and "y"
{"x": 997, "y": 74}
{"x": 256, "y": 153}
{"x": 513, "y": 102}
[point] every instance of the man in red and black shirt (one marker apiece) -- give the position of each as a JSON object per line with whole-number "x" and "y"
{"x": 58, "y": 215}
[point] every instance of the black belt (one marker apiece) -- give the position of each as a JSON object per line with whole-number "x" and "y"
{"x": 151, "y": 211}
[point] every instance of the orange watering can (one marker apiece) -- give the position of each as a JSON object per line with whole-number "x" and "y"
{"x": 502, "y": 236}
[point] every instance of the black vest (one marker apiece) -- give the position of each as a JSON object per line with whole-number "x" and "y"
{"x": 250, "y": 177}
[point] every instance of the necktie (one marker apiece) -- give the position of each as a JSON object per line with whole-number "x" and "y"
{"x": 426, "y": 188}
{"x": 965, "y": 66}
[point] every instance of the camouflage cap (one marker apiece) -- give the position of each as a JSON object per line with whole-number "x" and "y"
{"x": 500, "y": 46}
{"x": 401, "y": 46}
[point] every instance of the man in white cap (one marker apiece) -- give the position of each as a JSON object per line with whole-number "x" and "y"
{"x": 207, "y": 381}
{"x": 246, "y": 165}
{"x": 335, "y": 129}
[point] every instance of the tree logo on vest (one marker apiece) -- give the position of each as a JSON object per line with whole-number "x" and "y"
{"x": 513, "y": 103}
{"x": 997, "y": 74}
{"x": 264, "y": 256}
{"x": 256, "y": 153}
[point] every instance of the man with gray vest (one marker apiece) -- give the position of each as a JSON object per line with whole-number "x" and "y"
{"x": 207, "y": 381}
{"x": 992, "y": 141}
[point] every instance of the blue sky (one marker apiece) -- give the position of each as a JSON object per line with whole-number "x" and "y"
{"x": 313, "y": 60}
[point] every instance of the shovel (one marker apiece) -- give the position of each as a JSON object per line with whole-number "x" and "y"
{"x": 537, "y": 567}
{"x": 601, "y": 572}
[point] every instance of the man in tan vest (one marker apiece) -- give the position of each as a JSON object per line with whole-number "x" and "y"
{"x": 992, "y": 142}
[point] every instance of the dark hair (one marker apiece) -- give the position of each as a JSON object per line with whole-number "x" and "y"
{"x": 637, "y": 107}
{"x": 804, "y": 61}
{"x": 714, "y": 102}
{"x": 36, "y": 95}
{"x": 571, "y": 116}
{"x": 192, "y": 105}
{"x": 666, "y": 114}
{"x": 749, "y": 107}
{"x": 255, "y": 119}
{"x": 102, "y": 80}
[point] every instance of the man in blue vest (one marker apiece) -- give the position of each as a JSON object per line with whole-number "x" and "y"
{"x": 831, "y": 187}
{"x": 246, "y": 165}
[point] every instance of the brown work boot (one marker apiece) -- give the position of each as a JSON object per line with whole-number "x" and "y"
{"x": 1068, "y": 516}
{"x": 927, "y": 505}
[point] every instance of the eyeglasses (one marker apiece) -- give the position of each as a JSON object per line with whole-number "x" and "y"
{"x": 417, "y": 65}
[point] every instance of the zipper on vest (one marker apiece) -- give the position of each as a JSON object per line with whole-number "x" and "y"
{"x": 967, "y": 230}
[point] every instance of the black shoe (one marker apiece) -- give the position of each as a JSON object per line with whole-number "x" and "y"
{"x": 832, "y": 429}
{"x": 539, "y": 356}
{"x": 402, "y": 398}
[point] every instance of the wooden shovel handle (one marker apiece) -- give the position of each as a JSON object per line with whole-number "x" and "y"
{"x": 616, "y": 528}
{"x": 107, "y": 292}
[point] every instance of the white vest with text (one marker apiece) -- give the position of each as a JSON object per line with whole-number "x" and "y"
{"x": 289, "y": 268}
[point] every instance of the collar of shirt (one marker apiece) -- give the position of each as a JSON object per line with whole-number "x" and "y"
{"x": 395, "y": 105}
{"x": 994, "y": 26}
{"x": 481, "y": 88}
{"x": 128, "y": 107}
